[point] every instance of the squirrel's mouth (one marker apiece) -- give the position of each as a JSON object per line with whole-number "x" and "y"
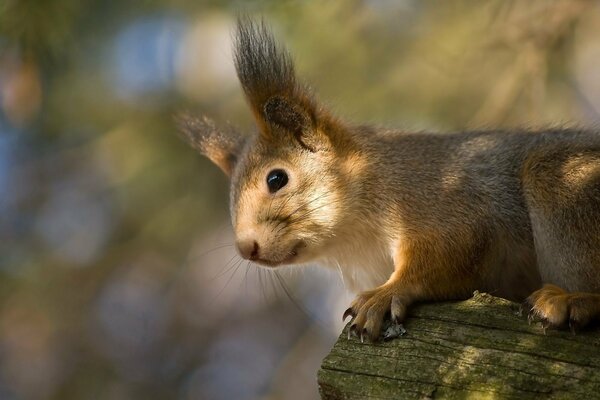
{"x": 288, "y": 259}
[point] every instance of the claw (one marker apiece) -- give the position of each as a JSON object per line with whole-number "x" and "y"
{"x": 351, "y": 330}
{"x": 347, "y": 313}
{"x": 531, "y": 316}
{"x": 525, "y": 306}
{"x": 362, "y": 338}
{"x": 573, "y": 326}
{"x": 545, "y": 324}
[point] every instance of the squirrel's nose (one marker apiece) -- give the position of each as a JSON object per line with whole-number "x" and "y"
{"x": 248, "y": 249}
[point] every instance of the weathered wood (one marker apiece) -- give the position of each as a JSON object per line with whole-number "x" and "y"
{"x": 477, "y": 349}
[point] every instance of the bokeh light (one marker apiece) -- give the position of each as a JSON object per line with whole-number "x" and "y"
{"x": 118, "y": 274}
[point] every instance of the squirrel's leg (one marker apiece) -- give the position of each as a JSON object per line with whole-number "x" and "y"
{"x": 556, "y": 307}
{"x": 369, "y": 308}
{"x": 421, "y": 273}
{"x": 562, "y": 189}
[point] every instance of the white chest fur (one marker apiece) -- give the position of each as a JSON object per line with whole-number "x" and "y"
{"x": 364, "y": 261}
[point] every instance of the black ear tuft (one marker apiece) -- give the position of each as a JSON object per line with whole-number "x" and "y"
{"x": 263, "y": 67}
{"x": 266, "y": 71}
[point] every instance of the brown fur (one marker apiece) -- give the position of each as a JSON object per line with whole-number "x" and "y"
{"x": 411, "y": 217}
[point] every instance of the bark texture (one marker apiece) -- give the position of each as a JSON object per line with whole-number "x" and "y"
{"x": 476, "y": 349}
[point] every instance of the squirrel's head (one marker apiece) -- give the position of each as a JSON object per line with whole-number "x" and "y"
{"x": 289, "y": 181}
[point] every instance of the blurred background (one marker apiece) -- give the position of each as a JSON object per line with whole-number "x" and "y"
{"x": 118, "y": 276}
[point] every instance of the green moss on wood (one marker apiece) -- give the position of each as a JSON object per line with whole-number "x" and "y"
{"x": 479, "y": 348}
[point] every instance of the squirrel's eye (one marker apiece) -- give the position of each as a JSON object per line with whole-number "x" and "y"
{"x": 276, "y": 180}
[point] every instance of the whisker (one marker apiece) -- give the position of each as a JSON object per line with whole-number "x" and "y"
{"x": 309, "y": 202}
{"x": 309, "y": 212}
{"x": 297, "y": 303}
{"x": 184, "y": 265}
{"x": 270, "y": 203}
{"x": 245, "y": 281}
{"x": 273, "y": 286}
{"x": 298, "y": 208}
{"x": 219, "y": 247}
{"x": 260, "y": 283}
{"x": 283, "y": 204}
{"x": 226, "y": 268}
{"x": 312, "y": 210}
{"x": 280, "y": 208}
{"x": 238, "y": 264}
{"x": 303, "y": 215}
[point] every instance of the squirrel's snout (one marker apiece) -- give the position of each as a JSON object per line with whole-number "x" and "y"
{"x": 248, "y": 249}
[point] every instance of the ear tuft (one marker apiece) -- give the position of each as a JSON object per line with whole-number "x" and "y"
{"x": 264, "y": 68}
{"x": 221, "y": 146}
{"x": 266, "y": 71}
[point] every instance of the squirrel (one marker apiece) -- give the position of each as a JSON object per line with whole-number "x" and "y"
{"x": 408, "y": 217}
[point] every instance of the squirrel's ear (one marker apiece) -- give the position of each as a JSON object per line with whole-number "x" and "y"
{"x": 266, "y": 72}
{"x": 294, "y": 119}
{"x": 221, "y": 146}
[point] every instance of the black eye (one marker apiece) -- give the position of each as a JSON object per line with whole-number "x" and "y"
{"x": 276, "y": 180}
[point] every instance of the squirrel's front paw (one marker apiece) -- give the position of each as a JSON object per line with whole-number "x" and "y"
{"x": 369, "y": 309}
{"x": 557, "y": 308}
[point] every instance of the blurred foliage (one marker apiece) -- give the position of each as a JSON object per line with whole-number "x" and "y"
{"x": 117, "y": 275}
